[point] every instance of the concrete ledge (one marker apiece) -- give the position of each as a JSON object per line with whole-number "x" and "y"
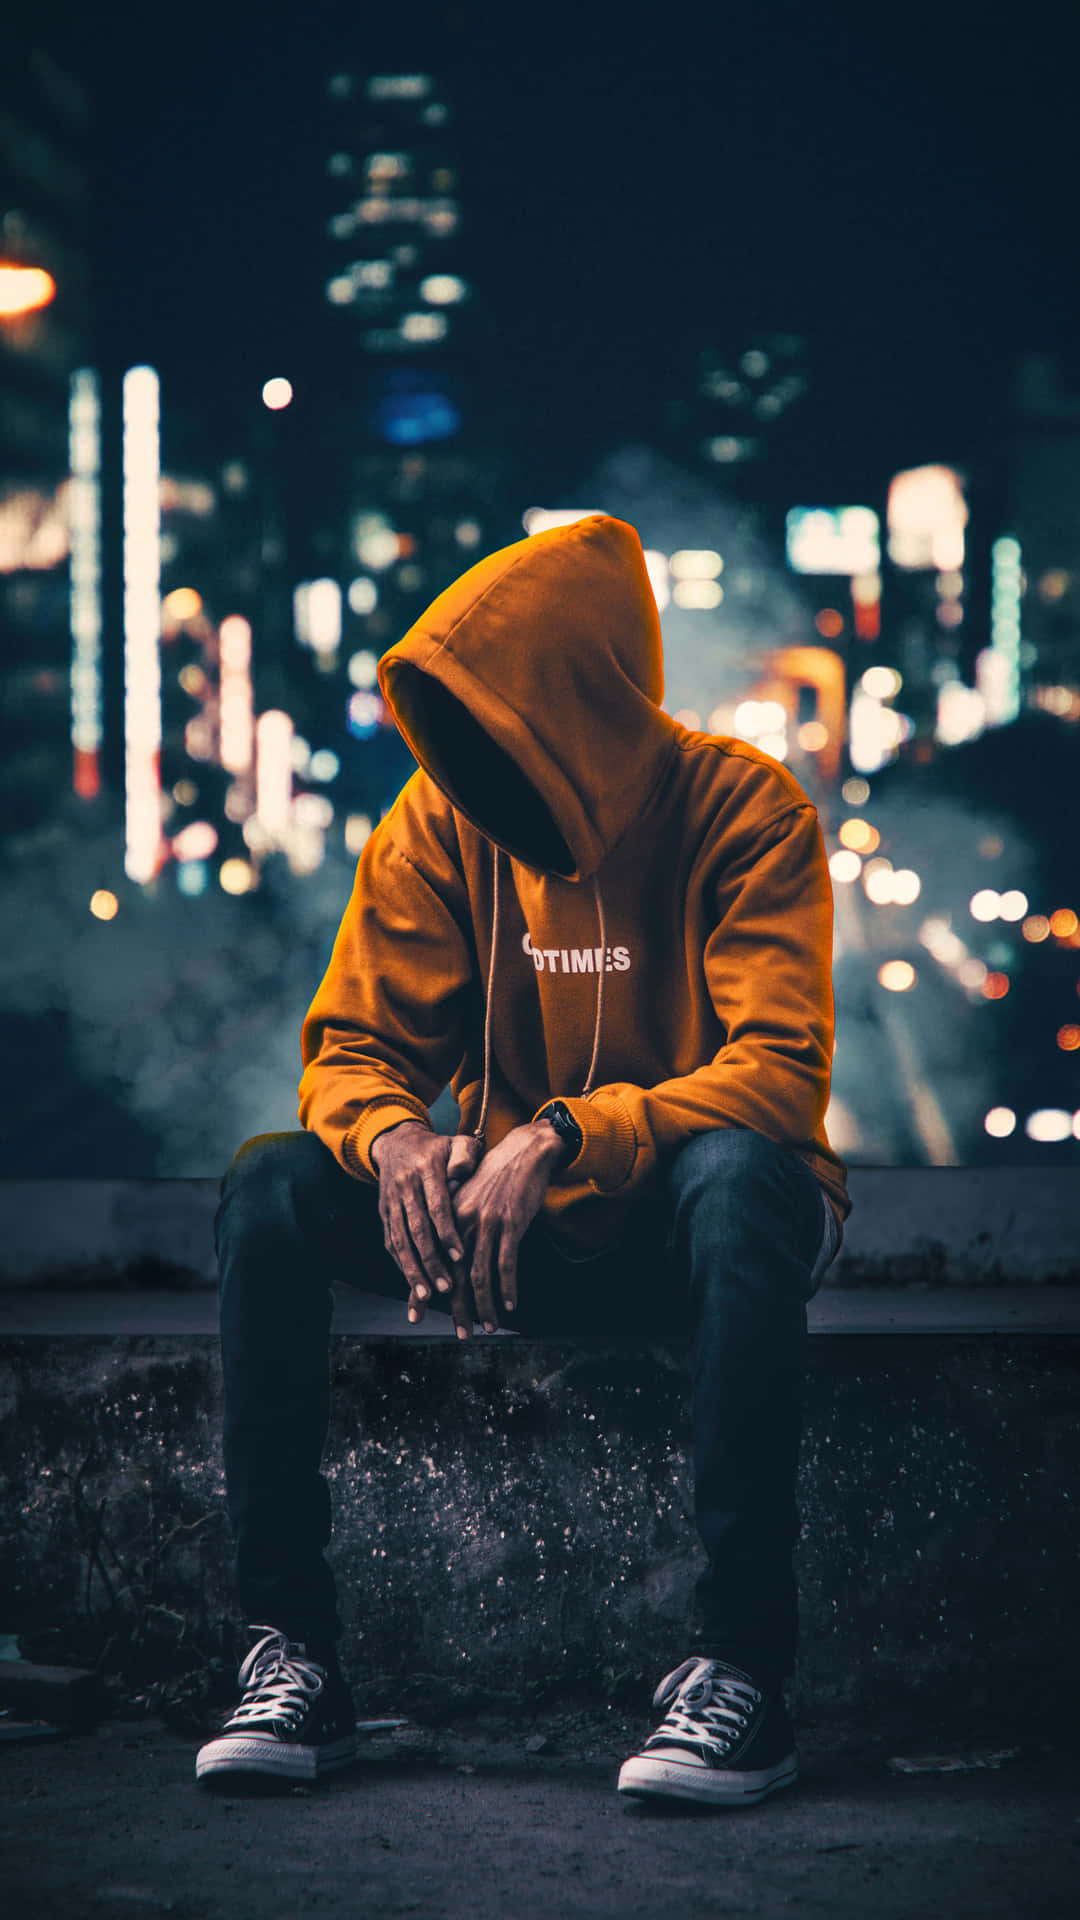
{"x": 519, "y": 1516}
{"x": 953, "y": 1226}
{"x": 161, "y": 1313}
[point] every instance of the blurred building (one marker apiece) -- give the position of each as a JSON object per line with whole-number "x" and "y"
{"x": 44, "y": 197}
{"x": 1042, "y": 514}
{"x": 412, "y": 484}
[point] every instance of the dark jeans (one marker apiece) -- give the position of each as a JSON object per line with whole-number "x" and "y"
{"x": 725, "y": 1247}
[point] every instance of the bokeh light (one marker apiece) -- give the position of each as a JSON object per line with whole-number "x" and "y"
{"x": 897, "y": 975}
{"x": 859, "y": 835}
{"x": 237, "y": 876}
{"x": 1048, "y": 1124}
{"x": 104, "y": 905}
{"x": 1000, "y": 1122}
{"x": 276, "y": 394}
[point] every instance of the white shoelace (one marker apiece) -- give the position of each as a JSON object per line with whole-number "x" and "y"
{"x": 709, "y": 1705}
{"x": 276, "y": 1684}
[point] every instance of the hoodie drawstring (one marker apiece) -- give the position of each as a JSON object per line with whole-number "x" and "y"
{"x": 478, "y": 1131}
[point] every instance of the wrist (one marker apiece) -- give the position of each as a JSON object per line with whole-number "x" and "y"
{"x": 376, "y": 1145}
{"x": 553, "y": 1146}
{"x": 557, "y": 1117}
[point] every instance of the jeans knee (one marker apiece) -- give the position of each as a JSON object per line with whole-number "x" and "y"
{"x": 733, "y": 1186}
{"x": 265, "y": 1173}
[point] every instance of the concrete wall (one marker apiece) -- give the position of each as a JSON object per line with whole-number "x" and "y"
{"x": 515, "y": 1516}
{"x": 956, "y": 1226}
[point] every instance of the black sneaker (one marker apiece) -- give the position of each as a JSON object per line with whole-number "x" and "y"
{"x": 723, "y": 1741}
{"x": 296, "y": 1719}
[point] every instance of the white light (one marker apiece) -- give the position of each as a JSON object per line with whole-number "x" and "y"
{"x": 872, "y": 733}
{"x": 378, "y": 549}
{"x": 897, "y": 976}
{"x": 276, "y": 394}
{"x": 423, "y": 326}
{"x": 971, "y": 973}
{"x": 845, "y": 865}
{"x": 145, "y": 847}
{"x": 881, "y": 682}
{"x": 324, "y": 615}
{"x": 906, "y": 886}
{"x": 1000, "y": 1122}
{"x": 273, "y": 772}
{"x": 357, "y": 832}
{"x": 961, "y": 714}
{"x": 237, "y": 700}
{"x": 312, "y": 810}
{"x": 878, "y": 885}
{"x": 697, "y": 593}
{"x": 694, "y": 563}
{"x": 87, "y": 697}
{"x": 747, "y": 719}
{"x": 299, "y": 754}
{"x": 363, "y": 595}
{"x": 362, "y": 668}
{"x": 985, "y": 905}
{"x": 774, "y": 744}
{"x": 656, "y": 567}
{"x": 318, "y": 615}
{"x": 927, "y": 514}
{"x": 1048, "y": 1123}
{"x": 467, "y": 533}
{"x": 340, "y": 290}
{"x": 197, "y": 841}
{"x": 324, "y": 765}
{"x": 945, "y": 945}
{"x": 833, "y": 540}
{"x": 442, "y": 289}
{"x": 538, "y": 519}
{"x": 1013, "y": 905}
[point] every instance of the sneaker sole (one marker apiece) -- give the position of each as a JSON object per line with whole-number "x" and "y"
{"x": 708, "y": 1786}
{"x": 272, "y": 1759}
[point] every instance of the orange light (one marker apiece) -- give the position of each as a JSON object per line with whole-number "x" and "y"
{"x": 859, "y": 835}
{"x": 86, "y": 773}
{"x": 183, "y": 603}
{"x": 996, "y": 986}
{"x": 1068, "y": 1039}
{"x": 1063, "y": 922}
{"x": 829, "y": 623}
{"x": 24, "y": 289}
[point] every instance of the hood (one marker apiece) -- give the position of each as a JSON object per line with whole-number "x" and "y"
{"x": 530, "y": 692}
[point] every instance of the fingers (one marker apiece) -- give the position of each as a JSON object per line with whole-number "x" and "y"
{"x": 413, "y": 1241}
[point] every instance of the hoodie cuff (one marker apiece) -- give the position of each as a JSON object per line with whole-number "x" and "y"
{"x": 378, "y": 1117}
{"x": 607, "y": 1156}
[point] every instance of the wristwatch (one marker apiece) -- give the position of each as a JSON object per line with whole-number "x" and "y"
{"x": 566, "y": 1127}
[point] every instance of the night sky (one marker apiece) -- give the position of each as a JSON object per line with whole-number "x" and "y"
{"x": 889, "y": 182}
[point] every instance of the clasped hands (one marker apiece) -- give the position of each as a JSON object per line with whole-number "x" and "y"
{"x": 454, "y": 1215}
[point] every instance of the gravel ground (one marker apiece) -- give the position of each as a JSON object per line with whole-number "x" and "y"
{"x": 470, "y": 1821}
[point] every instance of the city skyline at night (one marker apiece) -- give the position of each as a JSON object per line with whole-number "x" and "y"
{"x": 400, "y": 301}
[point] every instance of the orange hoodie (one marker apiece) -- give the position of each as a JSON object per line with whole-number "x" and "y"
{"x": 575, "y": 896}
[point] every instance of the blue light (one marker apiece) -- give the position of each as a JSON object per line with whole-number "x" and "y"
{"x": 191, "y": 876}
{"x": 412, "y": 410}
